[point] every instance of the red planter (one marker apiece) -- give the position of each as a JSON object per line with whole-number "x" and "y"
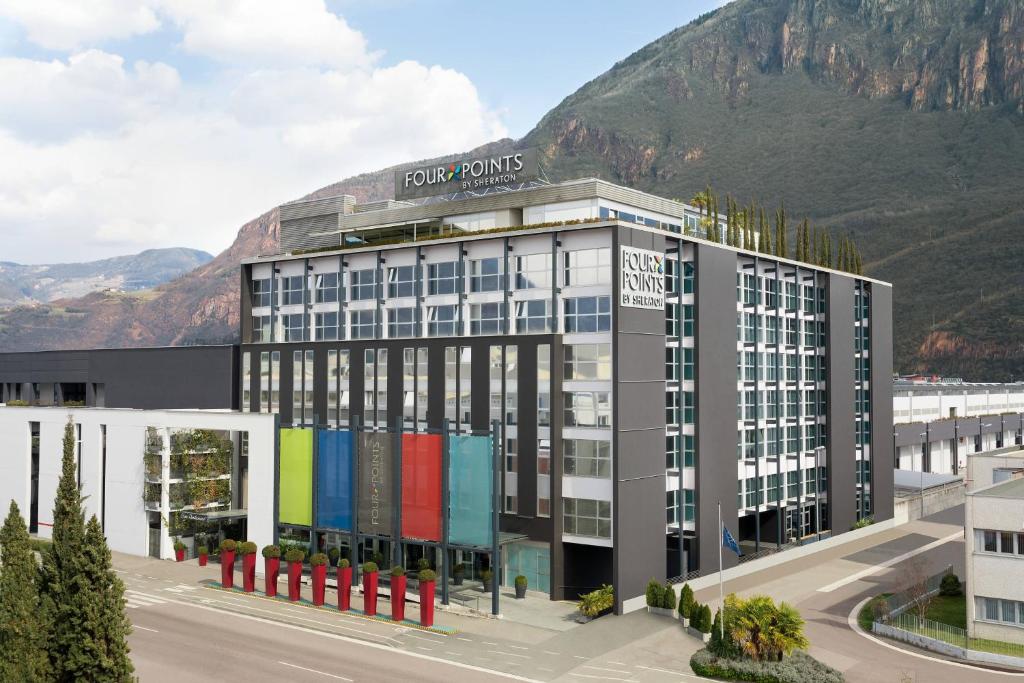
{"x": 370, "y": 593}
{"x": 319, "y": 582}
{"x": 179, "y": 555}
{"x": 397, "y": 598}
{"x": 344, "y": 589}
{"x": 202, "y": 560}
{"x": 294, "y": 581}
{"x": 271, "y": 568}
{"x": 427, "y": 603}
{"x": 227, "y": 568}
{"x": 249, "y": 572}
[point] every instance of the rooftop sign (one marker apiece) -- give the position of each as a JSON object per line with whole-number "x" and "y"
{"x": 467, "y": 175}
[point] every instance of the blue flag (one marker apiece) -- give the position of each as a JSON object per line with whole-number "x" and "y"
{"x": 729, "y": 542}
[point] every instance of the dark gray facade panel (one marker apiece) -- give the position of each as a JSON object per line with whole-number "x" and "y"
{"x": 908, "y": 434}
{"x": 1011, "y": 422}
{"x": 715, "y": 375}
{"x": 841, "y": 452}
{"x": 969, "y": 426}
{"x": 883, "y": 456}
{"x": 990, "y": 425}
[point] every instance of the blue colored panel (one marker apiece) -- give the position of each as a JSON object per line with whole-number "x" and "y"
{"x": 334, "y": 479}
{"x": 471, "y": 490}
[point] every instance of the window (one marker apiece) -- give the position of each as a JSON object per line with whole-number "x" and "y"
{"x": 364, "y": 284}
{"x": 1000, "y": 541}
{"x": 246, "y": 381}
{"x": 688, "y": 407}
{"x": 326, "y": 326}
{"x": 1005, "y": 611}
{"x": 465, "y": 384}
{"x": 292, "y": 324}
{"x": 401, "y": 322}
{"x": 748, "y": 289}
{"x": 586, "y": 517}
{"x": 688, "y": 450}
{"x": 687, "y": 320}
{"x": 544, "y": 385}
{"x": 689, "y": 506}
{"x": 543, "y": 477}
{"x": 441, "y": 321}
{"x": 672, "y": 507}
{"x": 672, "y": 364}
{"x": 588, "y": 362}
{"x": 260, "y": 328}
{"x": 261, "y": 293}
{"x": 451, "y": 364}
{"x": 363, "y": 324}
{"x": 688, "y": 279}
{"x": 588, "y": 267}
{"x": 326, "y": 286}
{"x": 533, "y": 271}
{"x": 533, "y": 316}
{"x": 671, "y": 275}
{"x": 442, "y": 278}
{"x": 588, "y": 314}
{"x": 672, "y": 408}
{"x": 792, "y": 334}
{"x": 486, "y": 318}
{"x": 292, "y": 290}
{"x": 402, "y": 281}
{"x": 588, "y": 409}
{"x": 485, "y": 275}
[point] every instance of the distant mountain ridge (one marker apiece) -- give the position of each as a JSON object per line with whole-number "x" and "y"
{"x": 22, "y": 284}
{"x": 899, "y": 121}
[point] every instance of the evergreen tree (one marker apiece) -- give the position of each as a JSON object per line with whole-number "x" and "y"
{"x": 841, "y": 256}
{"x": 782, "y": 243}
{"x": 764, "y": 240}
{"x": 104, "y": 640}
{"x": 799, "y": 241}
{"x": 858, "y": 265}
{"x": 22, "y": 627}
{"x": 828, "y": 247}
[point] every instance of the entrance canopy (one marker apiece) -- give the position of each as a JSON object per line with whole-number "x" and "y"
{"x": 214, "y": 515}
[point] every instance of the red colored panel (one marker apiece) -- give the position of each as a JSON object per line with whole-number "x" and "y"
{"x": 421, "y": 486}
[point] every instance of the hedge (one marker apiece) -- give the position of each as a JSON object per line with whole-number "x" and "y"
{"x": 797, "y": 668}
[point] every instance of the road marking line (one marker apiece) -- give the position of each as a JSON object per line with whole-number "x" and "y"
{"x": 617, "y": 663}
{"x": 468, "y": 640}
{"x": 602, "y": 668}
{"x": 494, "y": 644}
{"x": 518, "y": 647}
{"x": 428, "y": 649}
{"x": 131, "y": 606}
{"x": 551, "y": 652}
{"x": 579, "y": 656}
{"x": 541, "y": 668}
{"x": 143, "y": 597}
{"x": 356, "y": 641}
{"x": 134, "y": 626}
{"x": 508, "y": 654}
{"x": 322, "y": 673}
{"x": 888, "y": 563}
{"x": 602, "y": 678}
{"x": 454, "y": 654}
{"x": 669, "y": 671}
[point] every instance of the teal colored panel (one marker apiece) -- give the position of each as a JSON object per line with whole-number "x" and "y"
{"x": 471, "y": 490}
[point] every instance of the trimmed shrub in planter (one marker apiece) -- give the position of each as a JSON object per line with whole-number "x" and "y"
{"x": 248, "y": 552}
{"x": 685, "y": 603}
{"x": 487, "y": 577}
{"x": 227, "y": 563}
{"x": 179, "y": 551}
{"x": 271, "y": 568}
{"x": 653, "y": 593}
{"x": 520, "y": 587}
{"x": 294, "y": 558}
{"x": 397, "y": 593}
{"x": 797, "y": 668}
{"x": 458, "y": 573}
{"x": 344, "y": 585}
{"x": 333, "y": 555}
{"x": 657, "y": 600}
{"x": 705, "y": 622}
{"x": 370, "y": 588}
{"x": 204, "y": 554}
{"x": 318, "y": 563}
{"x": 668, "y": 600}
{"x": 427, "y": 579}
{"x": 950, "y": 585}
{"x": 596, "y": 603}
{"x": 421, "y": 564}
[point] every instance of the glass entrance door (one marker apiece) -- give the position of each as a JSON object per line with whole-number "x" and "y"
{"x": 532, "y": 560}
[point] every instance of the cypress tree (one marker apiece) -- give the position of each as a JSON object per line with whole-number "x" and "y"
{"x": 841, "y": 257}
{"x": 764, "y": 240}
{"x": 65, "y": 585}
{"x": 105, "y": 649}
{"x": 22, "y": 627}
{"x": 799, "y": 242}
{"x": 828, "y": 247}
{"x": 782, "y": 244}
{"x": 857, "y": 262}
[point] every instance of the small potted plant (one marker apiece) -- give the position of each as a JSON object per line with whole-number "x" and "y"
{"x": 421, "y": 564}
{"x": 333, "y": 555}
{"x": 294, "y": 558}
{"x": 271, "y": 568}
{"x": 344, "y": 585}
{"x": 204, "y": 555}
{"x": 487, "y": 577}
{"x": 227, "y": 563}
{"x": 179, "y": 550}
{"x": 370, "y": 588}
{"x": 458, "y": 573}
{"x": 428, "y": 580}
{"x": 520, "y": 587}
{"x": 397, "y": 593}
{"x": 248, "y": 552}
{"x": 318, "y": 564}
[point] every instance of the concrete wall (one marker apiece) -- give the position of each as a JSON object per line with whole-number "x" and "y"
{"x": 935, "y": 500}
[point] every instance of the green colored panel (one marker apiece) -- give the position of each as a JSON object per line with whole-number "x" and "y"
{"x": 296, "y": 484}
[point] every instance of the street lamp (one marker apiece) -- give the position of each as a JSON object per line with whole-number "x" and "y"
{"x": 924, "y": 445}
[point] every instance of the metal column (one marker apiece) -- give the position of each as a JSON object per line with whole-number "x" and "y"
{"x": 445, "y": 496}
{"x": 495, "y": 500}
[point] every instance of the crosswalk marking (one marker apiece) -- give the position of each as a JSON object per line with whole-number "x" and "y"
{"x": 134, "y": 599}
{"x": 181, "y": 588}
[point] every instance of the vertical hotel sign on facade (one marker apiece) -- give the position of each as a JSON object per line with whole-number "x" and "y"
{"x": 375, "y": 483}
{"x": 641, "y": 278}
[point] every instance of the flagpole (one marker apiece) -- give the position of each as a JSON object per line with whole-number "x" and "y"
{"x": 721, "y": 591}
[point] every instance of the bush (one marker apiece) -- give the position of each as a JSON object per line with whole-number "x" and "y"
{"x": 422, "y": 563}
{"x": 521, "y": 581}
{"x": 427, "y": 575}
{"x": 398, "y": 570}
{"x": 654, "y": 593}
{"x": 685, "y": 601}
{"x": 247, "y": 548}
{"x": 271, "y": 551}
{"x": 334, "y": 554}
{"x": 317, "y": 559}
{"x": 950, "y": 585}
{"x": 798, "y": 668}
{"x": 227, "y": 545}
{"x": 459, "y": 568}
{"x": 369, "y": 567}
{"x": 705, "y": 619}
{"x": 592, "y": 604}
{"x": 378, "y": 558}
{"x": 202, "y": 550}
{"x": 343, "y": 563}
{"x": 294, "y": 555}
{"x": 485, "y": 575}
{"x": 178, "y": 545}
{"x": 17, "y": 402}
{"x": 722, "y": 646}
{"x": 668, "y": 597}
{"x": 696, "y": 616}
{"x": 862, "y": 522}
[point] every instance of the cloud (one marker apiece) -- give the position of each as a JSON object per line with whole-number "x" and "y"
{"x": 70, "y": 24}
{"x": 105, "y": 156}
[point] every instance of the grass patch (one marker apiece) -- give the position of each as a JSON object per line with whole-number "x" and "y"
{"x": 866, "y": 616}
{"x": 40, "y": 544}
{"x": 949, "y": 609}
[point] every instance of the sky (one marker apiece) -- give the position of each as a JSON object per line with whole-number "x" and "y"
{"x": 133, "y": 124}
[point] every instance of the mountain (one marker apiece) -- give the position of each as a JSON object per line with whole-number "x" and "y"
{"x": 899, "y": 121}
{"x": 25, "y": 284}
